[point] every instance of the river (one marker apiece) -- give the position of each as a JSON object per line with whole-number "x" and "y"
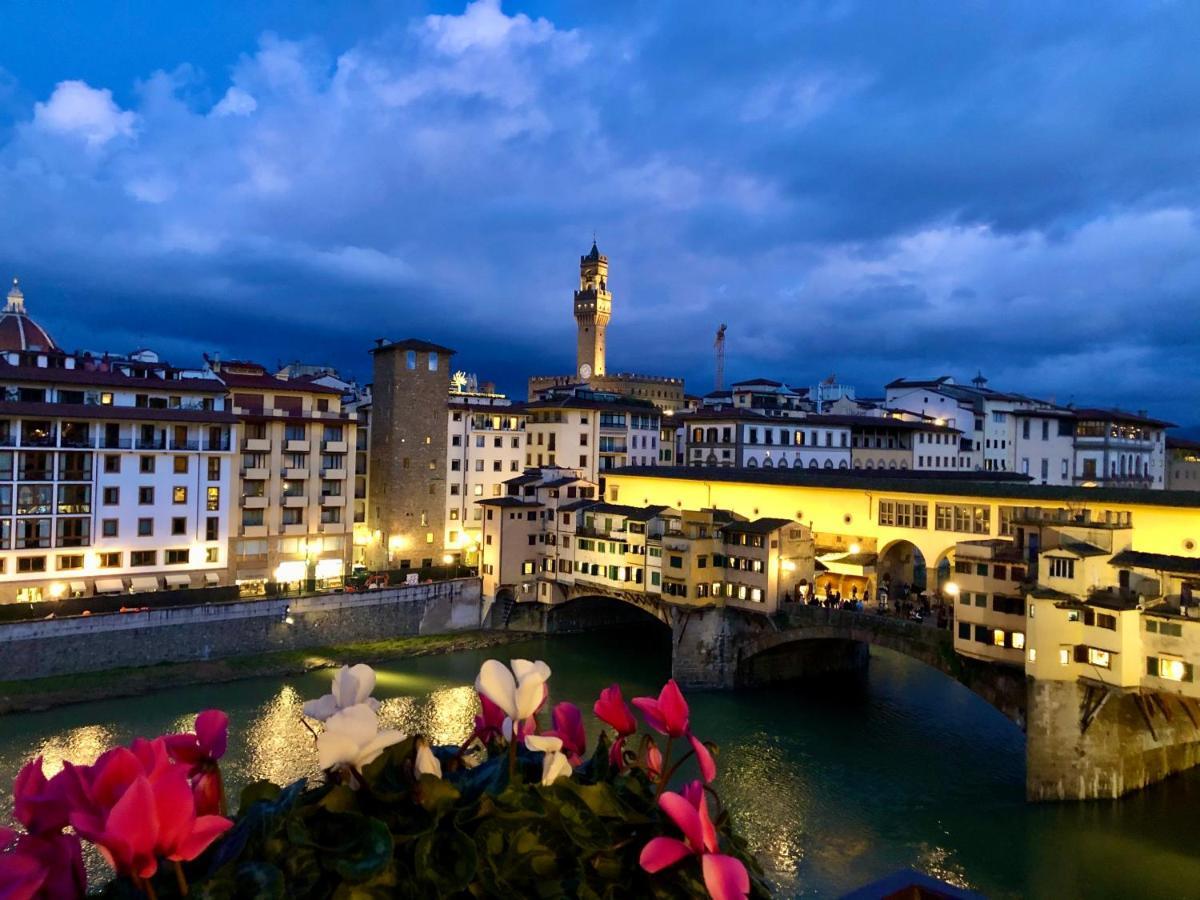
{"x": 834, "y": 783}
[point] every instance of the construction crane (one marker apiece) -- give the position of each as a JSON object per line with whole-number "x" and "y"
{"x": 719, "y": 351}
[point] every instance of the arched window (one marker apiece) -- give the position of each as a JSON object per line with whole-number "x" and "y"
{"x": 829, "y": 463}
{"x": 767, "y": 464}
{"x": 892, "y": 464}
{"x": 783, "y": 464}
{"x": 697, "y": 435}
{"x": 858, "y": 464}
{"x": 752, "y": 463}
{"x": 870, "y": 464}
{"x": 812, "y": 464}
{"x": 712, "y": 435}
{"x": 842, "y": 465}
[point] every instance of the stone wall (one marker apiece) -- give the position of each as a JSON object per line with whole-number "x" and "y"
{"x": 181, "y": 634}
{"x": 1123, "y": 748}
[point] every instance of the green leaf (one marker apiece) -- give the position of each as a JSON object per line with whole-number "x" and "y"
{"x": 260, "y": 879}
{"x": 367, "y": 854}
{"x": 583, "y": 826}
{"x": 340, "y": 799}
{"x": 436, "y": 795}
{"x": 255, "y": 791}
{"x": 446, "y": 858}
{"x": 389, "y": 776}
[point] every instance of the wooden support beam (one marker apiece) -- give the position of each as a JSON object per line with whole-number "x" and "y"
{"x": 1094, "y": 699}
{"x": 1187, "y": 708}
{"x": 1145, "y": 711}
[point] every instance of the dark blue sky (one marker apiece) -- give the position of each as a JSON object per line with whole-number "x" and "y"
{"x": 868, "y": 189}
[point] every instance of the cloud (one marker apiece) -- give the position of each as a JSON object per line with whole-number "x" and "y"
{"x": 79, "y": 109}
{"x": 851, "y": 187}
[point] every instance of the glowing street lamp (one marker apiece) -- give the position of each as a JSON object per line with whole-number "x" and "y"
{"x": 950, "y": 588}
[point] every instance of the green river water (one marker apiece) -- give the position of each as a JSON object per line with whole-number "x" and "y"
{"x": 834, "y": 783}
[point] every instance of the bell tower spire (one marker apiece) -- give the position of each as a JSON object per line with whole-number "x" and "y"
{"x": 593, "y": 309}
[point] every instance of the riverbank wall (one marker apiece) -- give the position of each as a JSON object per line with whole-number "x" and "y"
{"x": 195, "y": 633}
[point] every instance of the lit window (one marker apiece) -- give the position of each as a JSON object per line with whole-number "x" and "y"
{"x": 1018, "y": 640}
{"x": 1171, "y": 669}
{"x": 1100, "y": 658}
{"x": 1032, "y": 654}
{"x": 106, "y": 398}
{"x": 214, "y": 499}
{"x": 1064, "y": 657}
{"x": 429, "y": 537}
{"x": 998, "y": 637}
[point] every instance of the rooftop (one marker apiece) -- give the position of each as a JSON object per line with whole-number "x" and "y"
{"x": 997, "y": 485}
{"x": 410, "y": 344}
{"x": 1159, "y": 562}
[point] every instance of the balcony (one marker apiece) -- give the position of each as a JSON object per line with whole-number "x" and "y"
{"x": 293, "y": 446}
{"x": 332, "y": 527}
{"x": 333, "y": 446}
{"x": 38, "y": 440}
{"x": 257, "y": 445}
{"x": 154, "y": 443}
{"x": 254, "y": 502}
{"x": 333, "y": 500}
{"x": 294, "y": 500}
{"x": 185, "y": 445}
{"x": 107, "y": 443}
{"x": 333, "y": 474}
{"x": 81, "y": 442}
{"x": 295, "y": 528}
{"x": 256, "y": 474}
{"x": 252, "y": 531}
{"x": 218, "y": 445}
{"x": 293, "y": 474}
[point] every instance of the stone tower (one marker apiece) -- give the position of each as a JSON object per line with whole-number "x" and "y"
{"x": 593, "y": 309}
{"x": 406, "y": 485}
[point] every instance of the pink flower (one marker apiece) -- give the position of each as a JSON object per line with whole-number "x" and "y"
{"x": 612, "y": 710}
{"x": 725, "y": 876}
{"x": 39, "y": 803}
{"x": 568, "y": 727}
{"x": 669, "y": 715}
{"x": 200, "y": 751}
{"x": 138, "y": 807}
{"x": 41, "y": 867}
{"x": 654, "y": 761}
{"x": 489, "y": 725}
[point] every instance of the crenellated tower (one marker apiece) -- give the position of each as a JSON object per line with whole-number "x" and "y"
{"x": 593, "y": 309}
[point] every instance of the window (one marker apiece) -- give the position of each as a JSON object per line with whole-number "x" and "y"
{"x": 1099, "y": 658}
{"x": 212, "y": 528}
{"x": 214, "y": 468}
{"x": 108, "y": 527}
{"x": 962, "y": 517}
{"x": 180, "y": 465}
{"x": 110, "y": 560}
{"x": 69, "y": 561}
{"x": 902, "y": 514}
{"x": 112, "y": 496}
{"x": 146, "y": 465}
{"x": 112, "y": 463}
{"x": 213, "y": 495}
{"x": 179, "y": 494}
{"x": 145, "y": 496}
{"x": 410, "y": 359}
{"x": 179, "y": 525}
{"x": 1061, "y": 567}
{"x": 143, "y": 558}
{"x": 177, "y": 557}
{"x": 31, "y": 564}
{"x": 212, "y": 554}
{"x": 145, "y": 527}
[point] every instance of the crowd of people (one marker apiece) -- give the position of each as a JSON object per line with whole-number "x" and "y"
{"x": 902, "y": 601}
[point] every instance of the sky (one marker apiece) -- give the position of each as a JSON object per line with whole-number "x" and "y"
{"x": 867, "y": 189}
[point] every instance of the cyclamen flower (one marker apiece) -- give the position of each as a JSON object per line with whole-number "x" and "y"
{"x": 554, "y": 764}
{"x": 139, "y": 807}
{"x": 520, "y": 692}
{"x": 426, "y": 763}
{"x": 200, "y": 751}
{"x": 490, "y": 724}
{"x": 352, "y": 686}
{"x": 46, "y": 867}
{"x": 725, "y": 877}
{"x": 612, "y": 710}
{"x": 669, "y": 715}
{"x": 568, "y": 727}
{"x": 352, "y": 738}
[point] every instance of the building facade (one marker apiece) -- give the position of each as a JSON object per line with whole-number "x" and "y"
{"x": 295, "y": 482}
{"x": 406, "y": 504}
{"x": 1183, "y": 464}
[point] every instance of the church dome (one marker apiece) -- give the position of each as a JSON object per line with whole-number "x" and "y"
{"x": 17, "y": 330}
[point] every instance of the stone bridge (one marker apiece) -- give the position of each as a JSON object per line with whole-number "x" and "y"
{"x": 726, "y": 648}
{"x": 1083, "y": 741}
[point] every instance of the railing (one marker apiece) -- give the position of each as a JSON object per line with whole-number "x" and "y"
{"x": 217, "y": 446}
{"x": 116, "y": 443}
{"x": 47, "y": 440}
{"x": 151, "y": 444}
{"x": 185, "y": 445}
{"x": 79, "y": 442}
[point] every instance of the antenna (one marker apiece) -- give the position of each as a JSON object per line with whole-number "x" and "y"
{"x": 719, "y": 352}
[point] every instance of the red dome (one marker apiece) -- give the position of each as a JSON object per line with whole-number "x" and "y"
{"x": 17, "y": 330}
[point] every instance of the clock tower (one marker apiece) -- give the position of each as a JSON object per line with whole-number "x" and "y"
{"x": 593, "y": 309}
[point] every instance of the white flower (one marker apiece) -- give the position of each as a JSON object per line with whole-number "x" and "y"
{"x": 352, "y": 738}
{"x": 554, "y": 764}
{"x": 426, "y": 763}
{"x": 352, "y": 685}
{"x": 519, "y": 691}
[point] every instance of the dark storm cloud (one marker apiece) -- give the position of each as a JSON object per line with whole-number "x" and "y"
{"x": 862, "y": 188}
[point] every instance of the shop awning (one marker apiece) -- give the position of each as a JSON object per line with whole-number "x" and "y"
{"x": 179, "y": 581}
{"x": 211, "y": 578}
{"x": 143, "y": 583}
{"x": 109, "y": 585}
{"x": 77, "y": 587}
{"x": 329, "y": 568}
{"x": 861, "y": 564}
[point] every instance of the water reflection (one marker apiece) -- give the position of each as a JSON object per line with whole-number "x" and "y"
{"x": 833, "y": 785}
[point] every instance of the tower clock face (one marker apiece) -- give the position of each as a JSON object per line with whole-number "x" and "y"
{"x": 585, "y": 371}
